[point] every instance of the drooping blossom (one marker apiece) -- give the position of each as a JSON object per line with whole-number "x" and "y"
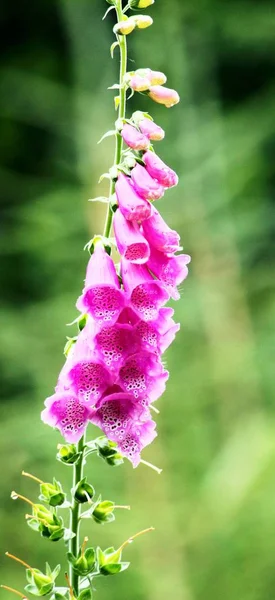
{"x": 163, "y": 95}
{"x": 159, "y": 170}
{"x": 170, "y": 270}
{"x": 134, "y": 138}
{"x": 149, "y": 128}
{"x": 132, "y": 206}
{"x": 65, "y": 412}
{"x": 159, "y": 235}
{"x": 146, "y": 187}
{"x": 101, "y": 296}
{"x": 146, "y": 294}
{"x": 130, "y": 242}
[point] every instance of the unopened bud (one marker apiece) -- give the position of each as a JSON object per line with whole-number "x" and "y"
{"x": 143, "y": 21}
{"x": 140, "y": 3}
{"x": 163, "y": 95}
{"x": 125, "y": 27}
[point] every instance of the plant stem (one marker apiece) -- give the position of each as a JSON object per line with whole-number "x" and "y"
{"x": 75, "y": 513}
{"x": 78, "y": 467}
{"x": 121, "y": 113}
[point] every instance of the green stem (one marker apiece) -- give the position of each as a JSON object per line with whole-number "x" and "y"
{"x": 121, "y": 114}
{"x": 75, "y": 513}
{"x": 78, "y": 467}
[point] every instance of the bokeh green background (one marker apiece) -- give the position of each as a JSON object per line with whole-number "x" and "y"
{"x": 214, "y": 505}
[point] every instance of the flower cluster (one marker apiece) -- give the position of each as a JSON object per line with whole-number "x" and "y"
{"x": 114, "y": 371}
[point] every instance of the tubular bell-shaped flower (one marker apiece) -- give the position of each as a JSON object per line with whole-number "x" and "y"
{"x": 159, "y": 170}
{"x": 64, "y": 411}
{"x": 171, "y": 271}
{"x": 132, "y": 206}
{"x": 163, "y": 95}
{"x": 134, "y": 138}
{"x": 130, "y": 242}
{"x": 146, "y": 294}
{"x": 101, "y": 297}
{"x": 159, "y": 235}
{"x": 146, "y": 187}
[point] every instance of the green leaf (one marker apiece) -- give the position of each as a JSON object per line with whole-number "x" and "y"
{"x": 107, "y": 134}
{"x": 85, "y": 594}
{"x": 113, "y": 46}
{"x": 102, "y": 199}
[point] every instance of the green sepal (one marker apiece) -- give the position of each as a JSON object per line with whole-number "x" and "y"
{"x": 109, "y": 561}
{"x": 58, "y": 596}
{"x": 84, "y": 491}
{"x": 103, "y": 512}
{"x": 40, "y": 584}
{"x": 85, "y": 594}
{"x": 84, "y": 563}
{"x": 71, "y": 341}
{"x": 107, "y": 450}
{"x": 67, "y": 454}
{"x": 52, "y": 493}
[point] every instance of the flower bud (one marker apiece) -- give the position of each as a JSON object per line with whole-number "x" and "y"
{"x": 143, "y": 21}
{"x": 139, "y": 80}
{"x": 158, "y": 78}
{"x": 133, "y": 138}
{"x": 125, "y": 27}
{"x": 84, "y": 491}
{"x": 163, "y": 95}
{"x": 52, "y": 493}
{"x": 67, "y": 454}
{"x": 153, "y": 131}
{"x": 140, "y": 3}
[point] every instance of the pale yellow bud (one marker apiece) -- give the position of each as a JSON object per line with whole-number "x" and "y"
{"x": 125, "y": 27}
{"x": 143, "y": 21}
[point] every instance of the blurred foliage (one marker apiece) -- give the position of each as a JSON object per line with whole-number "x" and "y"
{"x": 213, "y": 507}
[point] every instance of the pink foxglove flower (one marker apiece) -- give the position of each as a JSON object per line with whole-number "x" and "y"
{"x": 146, "y": 295}
{"x": 130, "y": 242}
{"x": 152, "y": 338}
{"x": 101, "y": 297}
{"x": 159, "y": 170}
{"x": 145, "y": 185}
{"x": 153, "y": 131}
{"x": 159, "y": 234}
{"x": 132, "y": 206}
{"x": 142, "y": 434}
{"x": 114, "y": 344}
{"x": 163, "y": 95}
{"x": 134, "y": 138}
{"x": 143, "y": 376}
{"x": 171, "y": 271}
{"x": 64, "y": 411}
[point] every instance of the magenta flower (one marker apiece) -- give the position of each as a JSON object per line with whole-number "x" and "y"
{"x": 130, "y": 242}
{"x": 156, "y": 336}
{"x": 159, "y": 170}
{"x": 101, "y": 297}
{"x": 143, "y": 376}
{"x": 64, "y": 411}
{"x": 146, "y": 295}
{"x": 159, "y": 235}
{"x": 171, "y": 271}
{"x": 145, "y": 185}
{"x": 142, "y": 434}
{"x": 132, "y": 206}
{"x": 134, "y": 138}
{"x": 151, "y": 130}
{"x": 163, "y": 95}
{"x": 116, "y": 413}
{"x": 114, "y": 344}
